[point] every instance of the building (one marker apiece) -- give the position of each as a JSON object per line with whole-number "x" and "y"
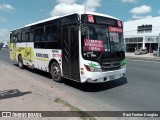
{"x": 143, "y": 33}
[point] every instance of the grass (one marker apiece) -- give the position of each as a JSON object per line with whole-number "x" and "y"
{"x": 83, "y": 115}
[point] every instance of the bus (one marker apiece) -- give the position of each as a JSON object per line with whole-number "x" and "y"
{"x": 82, "y": 46}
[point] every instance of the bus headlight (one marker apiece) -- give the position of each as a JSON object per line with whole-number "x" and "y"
{"x": 92, "y": 69}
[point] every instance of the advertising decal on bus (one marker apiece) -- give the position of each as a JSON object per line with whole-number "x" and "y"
{"x": 57, "y": 55}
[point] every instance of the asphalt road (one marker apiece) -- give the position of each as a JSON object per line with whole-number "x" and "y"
{"x": 138, "y": 91}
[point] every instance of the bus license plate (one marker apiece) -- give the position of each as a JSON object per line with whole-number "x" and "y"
{"x": 111, "y": 77}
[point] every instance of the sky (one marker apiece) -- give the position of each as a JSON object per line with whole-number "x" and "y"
{"x": 17, "y": 13}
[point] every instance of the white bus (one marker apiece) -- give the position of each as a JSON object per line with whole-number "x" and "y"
{"x": 84, "y": 47}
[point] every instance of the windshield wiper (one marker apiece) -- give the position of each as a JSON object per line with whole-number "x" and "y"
{"x": 100, "y": 55}
{"x": 118, "y": 50}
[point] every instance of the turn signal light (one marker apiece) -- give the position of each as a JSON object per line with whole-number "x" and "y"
{"x": 88, "y": 68}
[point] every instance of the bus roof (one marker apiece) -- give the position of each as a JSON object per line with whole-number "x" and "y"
{"x": 80, "y": 13}
{"x": 56, "y": 17}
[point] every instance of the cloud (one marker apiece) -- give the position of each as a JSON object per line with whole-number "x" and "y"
{"x": 64, "y": 8}
{"x": 4, "y": 35}
{"x": 141, "y": 10}
{"x": 136, "y": 17}
{"x": 6, "y": 7}
{"x": 66, "y": 1}
{"x": 91, "y": 5}
{"x": 70, "y": 6}
{"x": 3, "y": 19}
{"x": 129, "y": 1}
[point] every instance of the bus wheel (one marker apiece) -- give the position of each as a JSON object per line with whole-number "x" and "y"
{"x": 56, "y": 72}
{"x": 20, "y": 62}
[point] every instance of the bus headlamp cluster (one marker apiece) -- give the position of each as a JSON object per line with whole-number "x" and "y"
{"x": 92, "y": 69}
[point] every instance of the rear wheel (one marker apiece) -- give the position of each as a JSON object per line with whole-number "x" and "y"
{"x": 56, "y": 72}
{"x": 20, "y": 62}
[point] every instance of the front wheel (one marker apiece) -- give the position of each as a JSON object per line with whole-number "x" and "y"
{"x": 56, "y": 72}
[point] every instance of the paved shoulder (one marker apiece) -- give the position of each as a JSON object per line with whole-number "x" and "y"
{"x": 145, "y": 57}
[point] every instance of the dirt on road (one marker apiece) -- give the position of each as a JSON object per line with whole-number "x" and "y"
{"x": 19, "y": 92}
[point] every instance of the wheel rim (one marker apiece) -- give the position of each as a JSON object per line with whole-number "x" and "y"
{"x": 20, "y": 64}
{"x": 55, "y": 71}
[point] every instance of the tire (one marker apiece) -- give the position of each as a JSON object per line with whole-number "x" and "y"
{"x": 20, "y": 62}
{"x": 56, "y": 72}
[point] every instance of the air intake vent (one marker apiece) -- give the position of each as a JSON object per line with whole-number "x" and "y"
{"x": 108, "y": 65}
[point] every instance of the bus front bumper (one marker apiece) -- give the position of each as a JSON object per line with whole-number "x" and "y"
{"x": 106, "y": 76}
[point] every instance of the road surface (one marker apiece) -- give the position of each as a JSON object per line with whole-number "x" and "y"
{"x": 138, "y": 91}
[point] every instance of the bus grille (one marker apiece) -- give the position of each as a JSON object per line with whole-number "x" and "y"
{"x": 110, "y": 65}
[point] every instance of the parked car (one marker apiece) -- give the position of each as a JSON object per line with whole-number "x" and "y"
{"x": 155, "y": 52}
{"x": 144, "y": 51}
{"x": 140, "y": 51}
{"x": 5, "y": 46}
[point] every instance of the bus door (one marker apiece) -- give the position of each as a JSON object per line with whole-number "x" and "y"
{"x": 70, "y": 52}
{"x": 12, "y": 46}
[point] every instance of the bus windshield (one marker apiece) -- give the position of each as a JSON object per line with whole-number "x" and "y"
{"x": 98, "y": 39}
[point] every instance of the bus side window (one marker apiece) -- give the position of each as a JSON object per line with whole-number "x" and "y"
{"x": 27, "y": 36}
{"x": 48, "y": 33}
{"x": 39, "y": 34}
{"x": 11, "y": 38}
{"x": 31, "y": 37}
{"x": 23, "y": 37}
{"x": 55, "y": 33}
{"x": 52, "y": 33}
{"x": 19, "y": 37}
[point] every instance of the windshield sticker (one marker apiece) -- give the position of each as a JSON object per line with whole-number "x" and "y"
{"x": 90, "y": 18}
{"x": 114, "y": 37}
{"x": 93, "y": 55}
{"x": 93, "y": 45}
{"x": 89, "y": 54}
{"x": 115, "y": 29}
